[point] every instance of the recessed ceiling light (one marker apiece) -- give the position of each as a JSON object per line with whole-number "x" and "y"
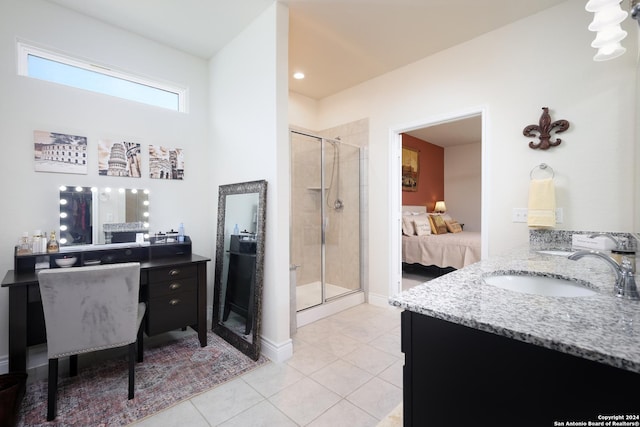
{"x": 298, "y": 75}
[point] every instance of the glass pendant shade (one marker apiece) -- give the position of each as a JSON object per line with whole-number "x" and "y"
{"x": 606, "y": 17}
{"x": 597, "y": 5}
{"x": 612, "y": 34}
{"x": 610, "y": 51}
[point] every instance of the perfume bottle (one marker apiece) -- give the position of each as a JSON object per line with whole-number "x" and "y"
{"x": 24, "y": 245}
{"x": 52, "y": 244}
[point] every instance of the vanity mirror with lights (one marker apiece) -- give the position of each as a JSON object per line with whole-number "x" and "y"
{"x": 237, "y": 297}
{"x": 92, "y": 215}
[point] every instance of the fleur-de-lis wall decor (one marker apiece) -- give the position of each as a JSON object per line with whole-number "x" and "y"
{"x": 544, "y": 128}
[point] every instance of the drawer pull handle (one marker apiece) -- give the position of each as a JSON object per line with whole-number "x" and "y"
{"x": 174, "y": 286}
{"x": 174, "y": 301}
{"x": 174, "y": 272}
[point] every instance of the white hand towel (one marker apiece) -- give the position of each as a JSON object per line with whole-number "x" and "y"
{"x": 542, "y": 203}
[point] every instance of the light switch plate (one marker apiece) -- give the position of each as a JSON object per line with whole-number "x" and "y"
{"x": 519, "y": 215}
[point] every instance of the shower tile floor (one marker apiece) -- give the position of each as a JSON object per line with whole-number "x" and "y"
{"x": 346, "y": 370}
{"x": 309, "y": 294}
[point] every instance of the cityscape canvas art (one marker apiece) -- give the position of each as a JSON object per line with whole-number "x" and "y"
{"x": 166, "y": 163}
{"x": 119, "y": 158}
{"x": 59, "y": 152}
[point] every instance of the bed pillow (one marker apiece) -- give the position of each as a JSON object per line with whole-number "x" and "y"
{"x": 453, "y": 226}
{"x": 422, "y": 226}
{"x": 407, "y": 225}
{"x": 438, "y": 226}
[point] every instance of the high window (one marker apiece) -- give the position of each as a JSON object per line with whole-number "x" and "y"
{"x": 54, "y": 67}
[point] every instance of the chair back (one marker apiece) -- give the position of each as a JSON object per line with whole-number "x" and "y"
{"x": 90, "y": 308}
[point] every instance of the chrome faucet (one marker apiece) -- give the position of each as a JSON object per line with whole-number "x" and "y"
{"x": 625, "y": 286}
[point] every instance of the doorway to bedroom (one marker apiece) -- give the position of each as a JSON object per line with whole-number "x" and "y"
{"x": 450, "y": 151}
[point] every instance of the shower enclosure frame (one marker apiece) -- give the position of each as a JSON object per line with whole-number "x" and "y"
{"x": 338, "y": 205}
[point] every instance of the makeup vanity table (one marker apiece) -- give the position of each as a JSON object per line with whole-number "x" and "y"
{"x": 173, "y": 283}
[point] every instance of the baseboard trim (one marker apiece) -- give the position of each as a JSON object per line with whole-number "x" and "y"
{"x": 276, "y": 352}
{"x": 378, "y": 300}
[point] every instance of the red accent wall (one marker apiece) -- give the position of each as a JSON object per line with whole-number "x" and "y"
{"x": 430, "y": 173}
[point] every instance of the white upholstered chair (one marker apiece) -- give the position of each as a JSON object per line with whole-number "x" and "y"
{"x": 88, "y": 309}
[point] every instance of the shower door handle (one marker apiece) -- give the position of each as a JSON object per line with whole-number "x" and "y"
{"x": 325, "y": 225}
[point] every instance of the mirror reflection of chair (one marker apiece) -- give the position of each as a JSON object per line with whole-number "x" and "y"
{"x": 241, "y": 279}
{"x": 87, "y": 309}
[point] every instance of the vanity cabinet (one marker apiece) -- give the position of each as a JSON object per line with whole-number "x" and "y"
{"x": 173, "y": 283}
{"x": 172, "y": 298}
{"x": 456, "y": 375}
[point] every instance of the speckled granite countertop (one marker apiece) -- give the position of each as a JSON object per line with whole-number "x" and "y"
{"x": 601, "y": 327}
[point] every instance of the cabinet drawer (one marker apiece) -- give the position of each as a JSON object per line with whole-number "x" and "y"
{"x": 172, "y": 287}
{"x": 172, "y": 273}
{"x": 170, "y": 312}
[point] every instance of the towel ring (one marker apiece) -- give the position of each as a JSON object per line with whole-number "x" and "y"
{"x": 544, "y": 167}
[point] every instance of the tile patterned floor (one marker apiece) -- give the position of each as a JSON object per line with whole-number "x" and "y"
{"x": 346, "y": 370}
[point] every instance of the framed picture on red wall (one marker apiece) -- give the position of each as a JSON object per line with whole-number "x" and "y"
{"x": 410, "y": 164}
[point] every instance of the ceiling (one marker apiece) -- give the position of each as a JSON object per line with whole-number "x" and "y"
{"x": 336, "y": 43}
{"x": 457, "y": 132}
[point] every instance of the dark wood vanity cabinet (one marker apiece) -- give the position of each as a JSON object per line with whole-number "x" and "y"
{"x": 173, "y": 283}
{"x": 456, "y": 375}
{"x": 172, "y": 298}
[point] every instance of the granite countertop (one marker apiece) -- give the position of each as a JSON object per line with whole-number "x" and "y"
{"x": 601, "y": 327}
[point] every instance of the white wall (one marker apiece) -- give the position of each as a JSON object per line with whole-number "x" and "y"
{"x": 249, "y": 140}
{"x": 542, "y": 61}
{"x": 462, "y": 184}
{"x": 30, "y": 199}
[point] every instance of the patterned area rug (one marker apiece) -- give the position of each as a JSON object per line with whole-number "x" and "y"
{"x": 172, "y": 371}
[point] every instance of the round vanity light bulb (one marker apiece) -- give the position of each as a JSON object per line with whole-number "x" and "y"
{"x": 134, "y": 191}
{"x": 597, "y": 5}
{"x": 298, "y": 75}
{"x": 63, "y": 215}
{"x": 121, "y": 190}
{"x": 63, "y": 188}
{"x": 606, "y": 17}
{"x": 610, "y": 51}
{"x": 107, "y": 189}
{"x": 63, "y": 228}
{"x": 612, "y": 34}
{"x": 78, "y": 189}
{"x": 63, "y": 201}
{"x": 63, "y": 241}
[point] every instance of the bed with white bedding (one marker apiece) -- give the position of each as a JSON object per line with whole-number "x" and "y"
{"x": 445, "y": 249}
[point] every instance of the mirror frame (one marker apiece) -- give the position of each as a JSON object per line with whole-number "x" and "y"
{"x": 251, "y": 349}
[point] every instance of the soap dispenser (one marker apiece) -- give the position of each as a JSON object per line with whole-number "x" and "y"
{"x": 181, "y": 233}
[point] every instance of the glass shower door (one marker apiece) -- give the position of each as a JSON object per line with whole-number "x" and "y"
{"x": 341, "y": 219}
{"x": 306, "y": 218}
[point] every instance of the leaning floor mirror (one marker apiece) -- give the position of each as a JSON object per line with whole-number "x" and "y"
{"x": 237, "y": 296}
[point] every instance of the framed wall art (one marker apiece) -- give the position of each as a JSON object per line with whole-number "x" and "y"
{"x": 166, "y": 163}
{"x": 60, "y": 152}
{"x": 410, "y": 165}
{"x": 119, "y": 158}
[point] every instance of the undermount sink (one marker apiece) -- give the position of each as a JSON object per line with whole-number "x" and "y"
{"x": 539, "y": 285}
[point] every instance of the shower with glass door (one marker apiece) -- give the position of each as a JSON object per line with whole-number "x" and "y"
{"x": 325, "y": 219}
